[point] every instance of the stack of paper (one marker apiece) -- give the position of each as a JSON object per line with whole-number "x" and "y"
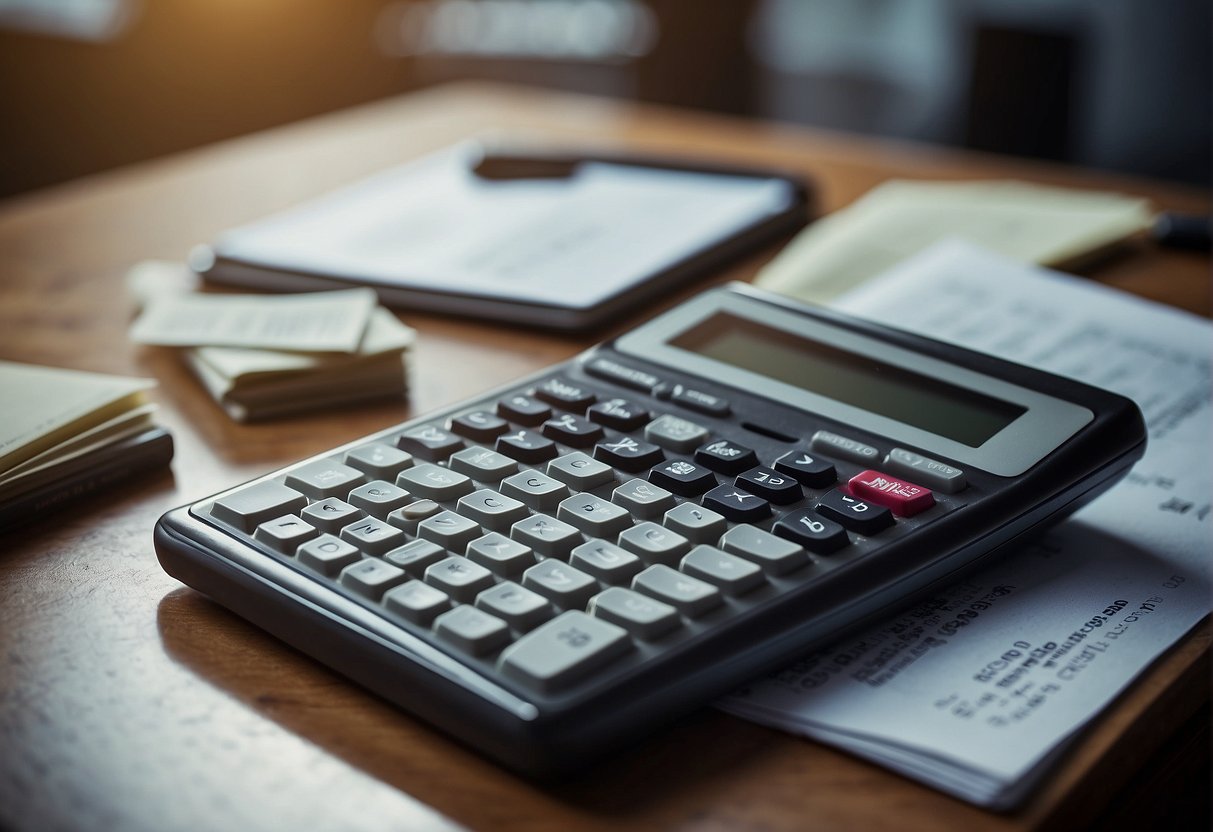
{"x": 1032, "y": 223}
{"x": 64, "y": 433}
{"x": 266, "y": 356}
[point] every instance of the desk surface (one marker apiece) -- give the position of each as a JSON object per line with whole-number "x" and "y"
{"x": 128, "y": 701}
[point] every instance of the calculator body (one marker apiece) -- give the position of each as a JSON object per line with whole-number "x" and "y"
{"x": 740, "y": 435}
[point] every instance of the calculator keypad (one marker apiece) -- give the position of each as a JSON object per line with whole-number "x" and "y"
{"x": 545, "y": 535}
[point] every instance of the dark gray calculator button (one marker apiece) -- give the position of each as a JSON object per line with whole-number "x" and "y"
{"x": 781, "y": 489}
{"x": 525, "y": 410}
{"x": 284, "y": 534}
{"x": 380, "y": 498}
{"x": 691, "y": 596}
{"x": 726, "y": 457}
{"x": 565, "y": 649}
{"x": 416, "y": 556}
{"x": 685, "y": 478}
{"x": 324, "y": 478}
{"x": 859, "y": 516}
{"x": 844, "y": 447}
{"x": 640, "y": 615}
{"x": 621, "y": 374}
{"x": 929, "y": 472}
{"x": 699, "y": 401}
{"x": 331, "y": 514}
{"x": 327, "y": 555}
{"x": 573, "y": 431}
{"x": 628, "y": 454}
{"x": 252, "y": 506}
{"x": 565, "y": 394}
{"x": 480, "y": 426}
{"x": 371, "y": 577}
{"x": 812, "y": 531}
{"x": 775, "y": 555}
{"x": 732, "y": 574}
{"x": 379, "y": 461}
{"x": 429, "y": 442}
{"x": 620, "y": 414}
{"x": 737, "y": 504}
{"x": 808, "y": 469}
{"x": 526, "y": 446}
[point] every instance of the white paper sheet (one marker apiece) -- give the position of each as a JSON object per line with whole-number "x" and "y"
{"x": 978, "y": 689}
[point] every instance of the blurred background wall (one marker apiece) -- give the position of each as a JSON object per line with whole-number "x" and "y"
{"x": 87, "y": 85}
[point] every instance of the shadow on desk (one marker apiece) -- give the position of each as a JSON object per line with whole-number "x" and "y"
{"x": 307, "y": 699}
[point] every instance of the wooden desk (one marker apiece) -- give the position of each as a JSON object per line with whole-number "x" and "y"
{"x": 129, "y": 702}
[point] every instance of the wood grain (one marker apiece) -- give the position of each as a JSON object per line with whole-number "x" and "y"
{"x": 129, "y": 702}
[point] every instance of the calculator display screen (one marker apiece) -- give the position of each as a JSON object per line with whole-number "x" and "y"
{"x": 944, "y": 409}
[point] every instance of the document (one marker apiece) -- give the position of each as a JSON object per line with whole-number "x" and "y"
{"x": 979, "y": 688}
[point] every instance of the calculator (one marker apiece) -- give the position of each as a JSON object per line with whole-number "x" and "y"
{"x": 562, "y": 565}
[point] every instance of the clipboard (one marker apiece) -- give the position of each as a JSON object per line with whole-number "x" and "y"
{"x": 564, "y": 242}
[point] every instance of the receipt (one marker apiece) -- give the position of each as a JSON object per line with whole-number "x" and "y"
{"x": 979, "y": 688}
{"x": 312, "y": 322}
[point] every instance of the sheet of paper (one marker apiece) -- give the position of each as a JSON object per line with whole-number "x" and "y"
{"x": 43, "y": 406}
{"x": 311, "y": 322}
{"x": 1031, "y": 223}
{"x": 978, "y": 689}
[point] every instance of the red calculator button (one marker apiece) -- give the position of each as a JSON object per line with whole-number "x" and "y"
{"x": 905, "y": 499}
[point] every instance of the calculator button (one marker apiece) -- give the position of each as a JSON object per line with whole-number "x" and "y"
{"x": 479, "y": 426}
{"x": 640, "y": 615}
{"x": 675, "y": 434}
{"x": 537, "y": 490}
{"x": 416, "y": 556}
{"x": 525, "y": 410}
{"x": 371, "y": 577}
{"x": 654, "y": 543}
{"x": 573, "y": 431}
{"x": 777, "y": 487}
{"x": 699, "y": 401}
{"x": 565, "y": 394}
{"x": 471, "y": 630}
{"x": 429, "y": 442}
{"x": 498, "y": 553}
{"x": 417, "y": 602}
{"x": 483, "y": 465}
{"x": 808, "y": 470}
{"x": 905, "y": 499}
{"x": 379, "y": 498}
{"x": 324, "y": 478}
{"x": 372, "y": 536}
{"x": 929, "y": 472}
{"x": 628, "y": 454}
{"x": 379, "y": 461}
{"x": 434, "y": 483}
{"x": 843, "y": 447}
{"x": 580, "y": 471}
{"x": 737, "y": 504}
{"x": 775, "y": 555}
{"x": 492, "y": 509}
{"x": 327, "y": 555}
{"x": 546, "y": 535}
{"x": 459, "y": 577}
{"x": 696, "y": 523}
{"x": 690, "y": 596}
{"x": 252, "y": 506}
{"x": 565, "y": 585}
{"x": 516, "y": 605}
{"x": 812, "y": 531}
{"x": 853, "y": 513}
{"x": 565, "y": 649}
{"x": 682, "y": 477}
{"x": 594, "y": 515}
{"x": 407, "y": 518}
{"x": 643, "y": 498}
{"x": 608, "y": 370}
{"x": 734, "y": 575}
{"x": 606, "y": 561}
{"x": 526, "y": 446}
{"x": 620, "y": 414}
{"x": 284, "y": 534}
{"x": 449, "y": 530}
{"x": 331, "y": 514}
{"x": 726, "y": 457}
